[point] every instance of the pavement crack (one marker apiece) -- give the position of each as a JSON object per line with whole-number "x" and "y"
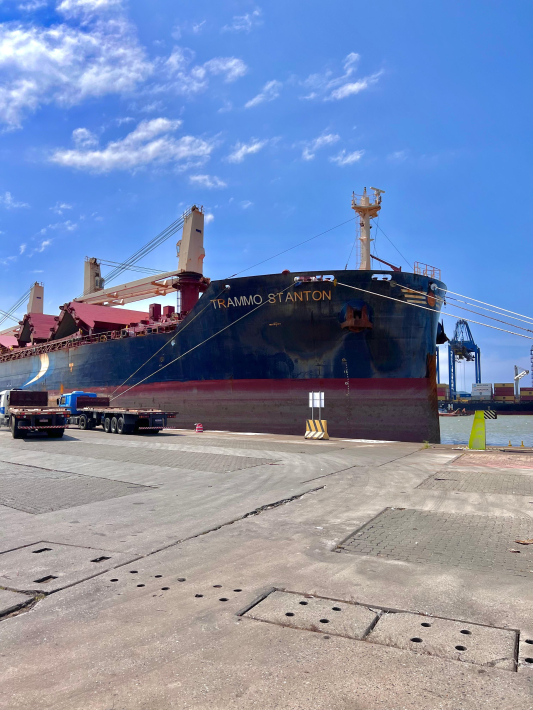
{"x": 251, "y": 513}
{"x": 23, "y": 606}
{"x": 355, "y": 465}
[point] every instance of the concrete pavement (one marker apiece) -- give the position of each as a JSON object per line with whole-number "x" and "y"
{"x": 230, "y": 571}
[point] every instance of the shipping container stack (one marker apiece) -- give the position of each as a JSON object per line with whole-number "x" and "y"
{"x": 443, "y": 392}
{"x": 504, "y": 391}
{"x": 526, "y": 394}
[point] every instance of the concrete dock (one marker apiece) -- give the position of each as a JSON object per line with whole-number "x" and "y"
{"x": 223, "y": 570}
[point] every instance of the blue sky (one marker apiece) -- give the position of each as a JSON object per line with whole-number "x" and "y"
{"x": 116, "y": 116}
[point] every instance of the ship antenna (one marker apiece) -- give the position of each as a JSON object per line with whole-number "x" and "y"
{"x": 367, "y": 209}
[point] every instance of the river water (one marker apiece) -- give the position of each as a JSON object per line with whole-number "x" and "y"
{"x": 456, "y": 430}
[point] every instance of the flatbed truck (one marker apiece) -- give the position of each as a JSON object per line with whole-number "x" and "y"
{"x": 88, "y": 410}
{"x": 26, "y": 412}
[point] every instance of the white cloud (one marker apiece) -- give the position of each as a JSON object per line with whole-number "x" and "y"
{"x": 66, "y": 64}
{"x": 208, "y": 218}
{"x": 195, "y": 28}
{"x": 7, "y": 201}
{"x": 228, "y": 106}
{"x": 327, "y": 87}
{"x": 311, "y": 147}
{"x": 126, "y": 119}
{"x": 245, "y": 204}
{"x": 230, "y": 67}
{"x": 354, "y": 87}
{"x": 83, "y": 138}
{"x": 244, "y": 23}
{"x": 151, "y": 142}
{"x": 67, "y": 225}
{"x": 198, "y": 27}
{"x": 22, "y": 248}
{"x": 241, "y": 150}
{"x": 7, "y": 260}
{"x": 270, "y": 92}
{"x": 351, "y": 61}
{"x": 59, "y": 207}
{"x": 42, "y": 246}
{"x": 188, "y": 80}
{"x": 399, "y": 156}
{"x": 344, "y": 158}
{"x": 152, "y": 107}
{"x": 209, "y": 181}
{"x": 72, "y": 7}
{"x": 93, "y": 52}
{"x": 32, "y": 5}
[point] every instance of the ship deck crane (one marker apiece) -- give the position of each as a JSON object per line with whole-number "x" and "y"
{"x": 518, "y": 374}
{"x": 187, "y": 279}
{"x": 462, "y": 347}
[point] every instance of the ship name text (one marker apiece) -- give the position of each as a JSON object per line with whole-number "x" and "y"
{"x": 282, "y": 297}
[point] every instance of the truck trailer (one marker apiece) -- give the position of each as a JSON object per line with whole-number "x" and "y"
{"x": 25, "y": 412}
{"x": 88, "y": 410}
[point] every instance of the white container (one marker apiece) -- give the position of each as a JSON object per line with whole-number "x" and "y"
{"x": 482, "y": 391}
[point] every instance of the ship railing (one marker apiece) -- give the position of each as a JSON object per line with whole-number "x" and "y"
{"x": 78, "y": 340}
{"x": 426, "y": 270}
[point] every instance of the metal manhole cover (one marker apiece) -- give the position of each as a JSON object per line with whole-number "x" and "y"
{"x": 477, "y": 542}
{"x": 49, "y": 566}
{"x": 445, "y": 638}
{"x": 300, "y": 611}
{"x": 428, "y": 635}
{"x": 40, "y": 490}
{"x": 518, "y": 484}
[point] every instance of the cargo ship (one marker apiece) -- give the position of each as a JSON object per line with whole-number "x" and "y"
{"x": 242, "y": 354}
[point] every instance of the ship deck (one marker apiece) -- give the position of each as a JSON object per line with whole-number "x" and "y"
{"x": 223, "y": 570}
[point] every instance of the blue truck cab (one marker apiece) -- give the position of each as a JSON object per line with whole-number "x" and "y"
{"x": 70, "y": 400}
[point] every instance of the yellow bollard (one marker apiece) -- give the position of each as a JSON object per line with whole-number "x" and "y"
{"x": 522, "y": 444}
{"x": 478, "y": 436}
{"x": 510, "y": 443}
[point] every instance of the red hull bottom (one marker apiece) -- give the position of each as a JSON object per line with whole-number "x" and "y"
{"x": 391, "y": 409}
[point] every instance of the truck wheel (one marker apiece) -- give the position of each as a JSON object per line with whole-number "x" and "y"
{"x": 16, "y": 433}
{"x": 107, "y": 425}
{"x": 55, "y": 433}
{"x": 114, "y": 425}
{"x": 121, "y": 427}
{"x": 82, "y": 422}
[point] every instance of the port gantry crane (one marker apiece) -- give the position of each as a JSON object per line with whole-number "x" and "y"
{"x": 462, "y": 347}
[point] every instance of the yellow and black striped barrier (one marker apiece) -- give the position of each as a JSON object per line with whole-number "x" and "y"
{"x": 316, "y": 429}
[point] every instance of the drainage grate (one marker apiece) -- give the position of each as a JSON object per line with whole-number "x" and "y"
{"x": 478, "y": 482}
{"x": 477, "y": 542}
{"x": 445, "y": 638}
{"x": 39, "y": 490}
{"x": 312, "y": 614}
{"x": 429, "y": 635}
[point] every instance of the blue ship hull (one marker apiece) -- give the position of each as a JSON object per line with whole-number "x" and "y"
{"x": 245, "y": 359}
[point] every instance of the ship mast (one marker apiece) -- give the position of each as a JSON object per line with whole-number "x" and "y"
{"x": 367, "y": 210}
